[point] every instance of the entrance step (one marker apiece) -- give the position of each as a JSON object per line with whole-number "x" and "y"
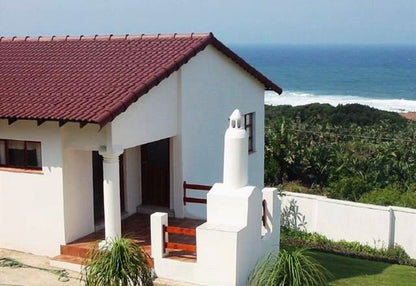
{"x": 77, "y": 250}
{"x": 169, "y": 282}
{"x": 68, "y": 262}
{"x": 149, "y": 209}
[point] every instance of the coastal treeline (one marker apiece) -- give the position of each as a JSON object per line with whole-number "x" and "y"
{"x": 350, "y": 152}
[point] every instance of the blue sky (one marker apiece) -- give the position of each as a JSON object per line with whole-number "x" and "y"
{"x": 232, "y": 21}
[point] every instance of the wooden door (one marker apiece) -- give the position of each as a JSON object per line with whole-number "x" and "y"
{"x": 155, "y": 173}
{"x": 98, "y": 177}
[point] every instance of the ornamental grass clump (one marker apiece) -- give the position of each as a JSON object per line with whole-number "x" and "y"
{"x": 291, "y": 266}
{"x": 122, "y": 263}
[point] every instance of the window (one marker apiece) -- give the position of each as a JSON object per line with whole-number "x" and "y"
{"x": 249, "y": 126}
{"x": 20, "y": 154}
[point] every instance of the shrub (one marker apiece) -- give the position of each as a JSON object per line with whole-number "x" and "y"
{"x": 397, "y": 252}
{"x": 408, "y": 200}
{"x": 297, "y": 238}
{"x": 122, "y": 263}
{"x": 314, "y": 237}
{"x": 291, "y": 266}
{"x": 350, "y": 188}
{"x": 390, "y": 196}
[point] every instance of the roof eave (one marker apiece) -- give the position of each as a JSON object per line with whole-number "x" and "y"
{"x": 210, "y": 39}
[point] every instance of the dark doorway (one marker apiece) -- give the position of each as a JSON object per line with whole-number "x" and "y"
{"x": 98, "y": 177}
{"x": 155, "y": 173}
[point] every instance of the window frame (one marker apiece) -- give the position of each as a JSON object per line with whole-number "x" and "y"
{"x": 250, "y": 128}
{"x": 25, "y": 166}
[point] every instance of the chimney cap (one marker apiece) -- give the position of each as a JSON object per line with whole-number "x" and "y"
{"x": 236, "y": 115}
{"x": 236, "y": 120}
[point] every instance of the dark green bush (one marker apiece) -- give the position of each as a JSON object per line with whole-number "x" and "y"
{"x": 407, "y": 199}
{"x": 398, "y": 253}
{"x": 349, "y": 188}
{"x": 384, "y": 197}
{"x": 390, "y": 197}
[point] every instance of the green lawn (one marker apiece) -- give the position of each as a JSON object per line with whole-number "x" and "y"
{"x": 353, "y": 271}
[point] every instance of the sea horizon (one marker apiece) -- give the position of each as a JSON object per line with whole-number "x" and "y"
{"x": 378, "y": 75}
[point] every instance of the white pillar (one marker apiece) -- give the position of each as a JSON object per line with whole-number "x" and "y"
{"x": 235, "y": 153}
{"x": 111, "y": 174}
{"x": 157, "y": 239}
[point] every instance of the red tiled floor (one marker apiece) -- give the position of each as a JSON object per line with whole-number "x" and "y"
{"x": 136, "y": 227}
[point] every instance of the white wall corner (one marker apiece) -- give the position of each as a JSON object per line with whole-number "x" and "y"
{"x": 273, "y": 212}
{"x": 157, "y": 221}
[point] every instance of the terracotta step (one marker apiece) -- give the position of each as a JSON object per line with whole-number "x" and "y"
{"x": 76, "y": 250}
{"x": 69, "y": 259}
{"x": 169, "y": 282}
{"x": 68, "y": 262}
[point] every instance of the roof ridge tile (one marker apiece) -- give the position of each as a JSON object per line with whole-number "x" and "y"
{"x": 103, "y": 37}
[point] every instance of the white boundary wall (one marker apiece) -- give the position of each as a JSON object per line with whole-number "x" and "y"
{"x": 376, "y": 226}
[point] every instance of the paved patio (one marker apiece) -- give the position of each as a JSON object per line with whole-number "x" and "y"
{"x": 136, "y": 227}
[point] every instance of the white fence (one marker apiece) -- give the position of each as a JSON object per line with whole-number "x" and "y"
{"x": 376, "y": 226}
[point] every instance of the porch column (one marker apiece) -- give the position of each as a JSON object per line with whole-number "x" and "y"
{"x": 111, "y": 174}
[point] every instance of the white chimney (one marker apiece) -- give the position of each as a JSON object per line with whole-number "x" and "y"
{"x": 235, "y": 153}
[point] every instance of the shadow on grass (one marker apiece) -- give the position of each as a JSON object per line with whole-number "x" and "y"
{"x": 346, "y": 267}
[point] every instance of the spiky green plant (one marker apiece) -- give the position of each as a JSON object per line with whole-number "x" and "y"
{"x": 122, "y": 263}
{"x": 290, "y": 266}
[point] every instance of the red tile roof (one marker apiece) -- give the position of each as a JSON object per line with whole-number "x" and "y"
{"x": 93, "y": 79}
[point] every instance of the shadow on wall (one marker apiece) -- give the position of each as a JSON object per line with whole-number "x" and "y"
{"x": 292, "y": 218}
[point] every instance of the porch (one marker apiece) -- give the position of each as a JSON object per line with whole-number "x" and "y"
{"x": 136, "y": 227}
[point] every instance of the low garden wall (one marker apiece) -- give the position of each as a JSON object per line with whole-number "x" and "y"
{"x": 377, "y": 226}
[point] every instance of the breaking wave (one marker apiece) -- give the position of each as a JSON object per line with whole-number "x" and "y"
{"x": 300, "y": 98}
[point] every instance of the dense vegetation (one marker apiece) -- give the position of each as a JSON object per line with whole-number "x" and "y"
{"x": 350, "y": 152}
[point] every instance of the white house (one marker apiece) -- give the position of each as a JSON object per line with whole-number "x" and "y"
{"x": 93, "y": 127}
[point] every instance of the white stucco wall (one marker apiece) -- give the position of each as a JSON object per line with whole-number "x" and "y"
{"x": 405, "y": 229}
{"x": 88, "y": 138}
{"x": 31, "y": 205}
{"x": 152, "y": 117}
{"x": 212, "y": 87}
{"x": 376, "y": 226}
{"x": 78, "y": 194}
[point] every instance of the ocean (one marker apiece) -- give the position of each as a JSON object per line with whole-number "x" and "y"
{"x": 380, "y": 76}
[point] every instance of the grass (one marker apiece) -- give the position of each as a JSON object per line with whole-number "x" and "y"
{"x": 354, "y": 271}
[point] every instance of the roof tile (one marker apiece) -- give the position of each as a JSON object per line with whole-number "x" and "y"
{"x": 92, "y": 78}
